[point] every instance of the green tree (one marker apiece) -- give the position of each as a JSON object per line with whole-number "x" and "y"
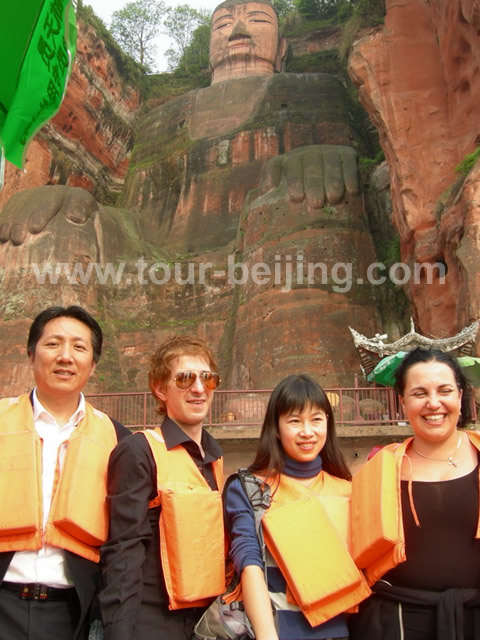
{"x": 344, "y": 11}
{"x": 136, "y": 26}
{"x": 196, "y": 56}
{"x": 180, "y": 25}
{"x": 173, "y": 59}
{"x": 283, "y": 7}
{"x": 372, "y": 11}
{"x": 318, "y": 9}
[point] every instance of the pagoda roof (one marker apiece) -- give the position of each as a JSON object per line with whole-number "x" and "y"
{"x": 463, "y": 341}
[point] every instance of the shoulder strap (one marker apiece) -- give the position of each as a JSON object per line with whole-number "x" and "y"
{"x": 259, "y": 496}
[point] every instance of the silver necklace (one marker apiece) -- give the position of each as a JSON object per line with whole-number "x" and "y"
{"x": 450, "y": 460}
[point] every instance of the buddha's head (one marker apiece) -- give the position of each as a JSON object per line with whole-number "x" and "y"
{"x": 245, "y": 40}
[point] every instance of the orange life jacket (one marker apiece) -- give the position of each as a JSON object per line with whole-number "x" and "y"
{"x": 307, "y": 531}
{"x": 78, "y": 517}
{"x": 378, "y": 537}
{"x": 192, "y": 546}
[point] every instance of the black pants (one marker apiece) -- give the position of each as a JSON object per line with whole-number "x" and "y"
{"x": 37, "y": 620}
{"x": 156, "y": 623}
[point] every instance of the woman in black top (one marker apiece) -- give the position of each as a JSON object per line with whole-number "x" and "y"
{"x": 435, "y": 593}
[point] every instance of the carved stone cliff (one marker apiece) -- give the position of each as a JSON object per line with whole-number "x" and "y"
{"x": 216, "y": 175}
{"x": 419, "y": 80}
{"x": 87, "y": 143}
{"x": 207, "y": 185}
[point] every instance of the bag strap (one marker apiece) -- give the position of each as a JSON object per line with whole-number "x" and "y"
{"x": 259, "y": 496}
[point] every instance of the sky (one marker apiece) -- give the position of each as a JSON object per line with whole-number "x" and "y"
{"x": 104, "y": 9}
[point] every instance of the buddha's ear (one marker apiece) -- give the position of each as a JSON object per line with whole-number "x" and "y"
{"x": 281, "y": 53}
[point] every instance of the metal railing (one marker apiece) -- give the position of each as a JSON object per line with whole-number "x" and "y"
{"x": 230, "y": 408}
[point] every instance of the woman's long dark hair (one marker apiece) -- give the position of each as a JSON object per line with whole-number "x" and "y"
{"x": 295, "y": 393}
{"x": 420, "y": 355}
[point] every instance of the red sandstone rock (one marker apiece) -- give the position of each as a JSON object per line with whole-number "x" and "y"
{"x": 419, "y": 79}
{"x": 87, "y": 143}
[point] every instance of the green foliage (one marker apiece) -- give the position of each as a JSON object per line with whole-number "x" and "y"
{"x": 295, "y": 25}
{"x": 180, "y": 25}
{"x": 349, "y": 32}
{"x": 325, "y": 61}
{"x": 332, "y": 10}
{"x": 344, "y": 11}
{"x": 372, "y": 162}
{"x": 198, "y": 49}
{"x": 195, "y": 60}
{"x": 136, "y": 26}
{"x": 389, "y": 252}
{"x": 283, "y": 8}
{"x": 371, "y": 11}
{"x": 165, "y": 86}
{"x": 316, "y": 14}
{"x": 393, "y": 302}
{"x": 317, "y": 9}
{"x": 290, "y": 23}
{"x": 468, "y": 162}
{"x": 447, "y": 198}
{"x": 129, "y": 69}
{"x": 366, "y": 13}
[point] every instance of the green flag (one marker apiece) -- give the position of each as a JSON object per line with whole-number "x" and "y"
{"x": 37, "y": 47}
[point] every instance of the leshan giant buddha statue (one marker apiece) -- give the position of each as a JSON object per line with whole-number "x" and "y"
{"x": 279, "y": 147}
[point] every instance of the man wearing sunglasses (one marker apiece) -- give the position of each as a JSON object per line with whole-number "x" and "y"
{"x": 164, "y": 561}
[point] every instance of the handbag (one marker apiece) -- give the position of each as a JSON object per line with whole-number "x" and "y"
{"x": 228, "y": 621}
{"x": 223, "y": 621}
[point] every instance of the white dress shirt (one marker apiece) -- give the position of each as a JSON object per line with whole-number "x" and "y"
{"x": 47, "y": 565}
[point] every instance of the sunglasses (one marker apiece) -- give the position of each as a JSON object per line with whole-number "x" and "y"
{"x": 185, "y": 379}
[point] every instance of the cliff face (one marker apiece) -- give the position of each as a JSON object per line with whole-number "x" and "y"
{"x": 224, "y": 175}
{"x": 419, "y": 80}
{"x": 197, "y": 157}
{"x": 207, "y": 189}
{"x": 87, "y": 143}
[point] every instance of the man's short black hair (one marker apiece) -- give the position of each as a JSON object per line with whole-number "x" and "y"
{"x": 38, "y": 326}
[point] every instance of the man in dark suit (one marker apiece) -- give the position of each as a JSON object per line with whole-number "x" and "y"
{"x": 54, "y": 447}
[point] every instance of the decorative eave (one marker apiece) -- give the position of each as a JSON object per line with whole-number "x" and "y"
{"x": 371, "y": 350}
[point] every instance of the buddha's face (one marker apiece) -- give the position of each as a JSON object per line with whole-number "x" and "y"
{"x": 246, "y": 32}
